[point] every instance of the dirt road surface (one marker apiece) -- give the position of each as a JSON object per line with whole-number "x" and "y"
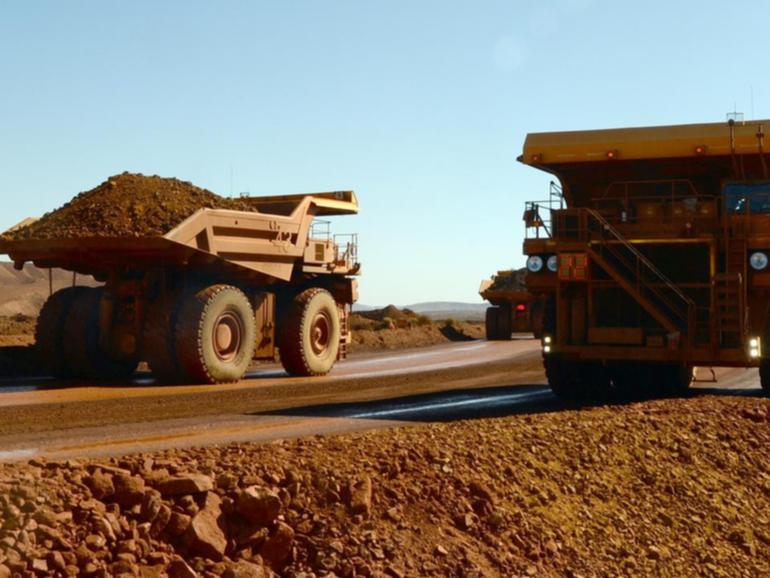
{"x": 44, "y": 417}
{"x": 58, "y": 420}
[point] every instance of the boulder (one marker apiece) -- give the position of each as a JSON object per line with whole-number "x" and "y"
{"x": 258, "y": 505}
{"x": 185, "y": 484}
{"x": 205, "y": 536}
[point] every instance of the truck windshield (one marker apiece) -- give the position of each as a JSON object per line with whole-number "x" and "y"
{"x": 747, "y": 197}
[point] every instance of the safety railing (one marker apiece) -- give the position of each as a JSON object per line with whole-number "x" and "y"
{"x": 637, "y": 270}
{"x": 346, "y": 249}
{"x": 538, "y": 215}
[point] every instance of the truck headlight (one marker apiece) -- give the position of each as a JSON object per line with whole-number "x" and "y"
{"x": 552, "y": 263}
{"x": 755, "y": 346}
{"x": 534, "y": 263}
{"x": 758, "y": 260}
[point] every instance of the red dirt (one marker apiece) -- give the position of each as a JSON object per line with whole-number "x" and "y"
{"x": 126, "y": 205}
{"x": 662, "y": 488}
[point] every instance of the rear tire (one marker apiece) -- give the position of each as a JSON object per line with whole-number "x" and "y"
{"x": 49, "y": 332}
{"x": 309, "y": 333}
{"x": 215, "y": 335}
{"x": 159, "y": 351}
{"x": 490, "y": 323}
{"x": 85, "y": 356}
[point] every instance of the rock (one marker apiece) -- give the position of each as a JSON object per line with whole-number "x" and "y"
{"x": 5, "y": 571}
{"x": 258, "y": 505}
{"x": 205, "y": 536}
{"x": 177, "y": 524}
{"x": 440, "y": 551}
{"x": 245, "y": 569}
{"x": 129, "y": 490}
{"x": 180, "y": 569}
{"x": 360, "y": 492}
{"x": 100, "y": 484}
{"x": 277, "y": 547}
{"x": 161, "y": 521}
{"x": 185, "y": 484}
{"x": 40, "y": 566}
{"x": 481, "y": 491}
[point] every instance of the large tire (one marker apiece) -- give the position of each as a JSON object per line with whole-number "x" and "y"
{"x": 158, "y": 342}
{"x": 764, "y": 374}
{"x": 85, "y": 356}
{"x": 576, "y": 380}
{"x": 309, "y": 333}
{"x": 490, "y": 323}
{"x": 49, "y": 332}
{"x": 504, "y": 323}
{"x": 215, "y": 335}
{"x": 646, "y": 380}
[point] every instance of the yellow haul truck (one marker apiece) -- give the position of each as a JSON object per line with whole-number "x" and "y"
{"x": 657, "y": 260}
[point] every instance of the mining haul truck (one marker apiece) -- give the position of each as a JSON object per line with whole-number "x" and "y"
{"x": 512, "y": 310}
{"x": 221, "y": 289}
{"x": 656, "y": 259}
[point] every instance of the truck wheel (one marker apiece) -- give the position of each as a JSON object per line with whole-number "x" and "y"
{"x": 504, "y": 323}
{"x": 215, "y": 335}
{"x": 158, "y": 345}
{"x": 672, "y": 379}
{"x": 49, "y": 332}
{"x": 764, "y": 375}
{"x": 81, "y": 341}
{"x": 490, "y": 322}
{"x": 576, "y": 380}
{"x": 309, "y": 333}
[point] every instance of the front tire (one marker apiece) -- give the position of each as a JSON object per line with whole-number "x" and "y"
{"x": 764, "y": 375}
{"x": 576, "y": 380}
{"x": 309, "y": 333}
{"x": 215, "y": 335}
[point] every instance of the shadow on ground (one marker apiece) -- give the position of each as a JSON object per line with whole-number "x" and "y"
{"x": 476, "y": 403}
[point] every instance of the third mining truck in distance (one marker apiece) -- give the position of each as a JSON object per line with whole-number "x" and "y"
{"x": 512, "y": 308}
{"x": 223, "y": 288}
{"x": 658, "y": 261}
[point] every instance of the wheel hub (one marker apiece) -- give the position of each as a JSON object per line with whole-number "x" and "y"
{"x": 227, "y": 335}
{"x": 320, "y": 332}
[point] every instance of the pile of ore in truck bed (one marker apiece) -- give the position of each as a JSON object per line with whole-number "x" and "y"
{"x": 126, "y": 205}
{"x": 510, "y": 280}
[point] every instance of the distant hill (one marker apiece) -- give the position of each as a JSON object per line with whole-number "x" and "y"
{"x": 440, "y": 309}
{"x": 23, "y": 292}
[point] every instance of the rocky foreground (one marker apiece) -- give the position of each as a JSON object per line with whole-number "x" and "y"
{"x": 661, "y": 488}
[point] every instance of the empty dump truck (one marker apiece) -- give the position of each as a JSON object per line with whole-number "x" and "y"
{"x": 202, "y": 301}
{"x": 513, "y": 309}
{"x": 658, "y": 262}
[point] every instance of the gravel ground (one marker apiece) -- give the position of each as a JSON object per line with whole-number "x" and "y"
{"x": 658, "y": 488}
{"x": 127, "y": 205}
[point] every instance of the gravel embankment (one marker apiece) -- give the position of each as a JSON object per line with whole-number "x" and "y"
{"x": 661, "y": 488}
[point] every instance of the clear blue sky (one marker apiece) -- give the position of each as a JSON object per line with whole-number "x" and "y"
{"x": 420, "y": 106}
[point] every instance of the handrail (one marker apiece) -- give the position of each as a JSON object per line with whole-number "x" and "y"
{"x": 609, "y": 238}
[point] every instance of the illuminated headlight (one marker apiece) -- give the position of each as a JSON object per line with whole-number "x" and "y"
{"x": 755, "y": 347}
{"x": 547, "y": 339}
{"x": 535, "y": 263}
{"x": 552, "y": 263}
{"x": 758, "y": 261}
{"x": 546, "y": 344}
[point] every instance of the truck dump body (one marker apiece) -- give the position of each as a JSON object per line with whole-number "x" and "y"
{"x": 659, "y": 249}
{"x": 258, "y": 241}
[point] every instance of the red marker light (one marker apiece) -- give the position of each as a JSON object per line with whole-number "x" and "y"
{"x": 700, "y": 150}
{"x": 537, "y": 158}
{"x": 612, "y": 154}
{"x": 521, "y": 307}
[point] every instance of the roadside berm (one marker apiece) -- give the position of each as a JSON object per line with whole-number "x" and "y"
{"x": 661, "y": 488}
